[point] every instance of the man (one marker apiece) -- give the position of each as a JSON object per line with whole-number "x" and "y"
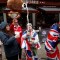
{"x": 17, "y": 30}
{"x": 30, "y": 42}
{"x": 51, "y": 43}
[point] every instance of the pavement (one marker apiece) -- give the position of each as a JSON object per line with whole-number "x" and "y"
{"x": 41, "y": 53}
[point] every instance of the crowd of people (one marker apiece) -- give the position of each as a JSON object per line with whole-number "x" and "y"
{"x": 16, "y": 41}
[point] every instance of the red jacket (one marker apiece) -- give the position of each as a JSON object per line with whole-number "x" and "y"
{"x": 17, "y": 30}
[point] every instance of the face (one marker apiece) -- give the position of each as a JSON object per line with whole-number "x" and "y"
{"x": 8, "y": 28}
{"x": 29, "y": 28}
{"x": 15, "y": 20}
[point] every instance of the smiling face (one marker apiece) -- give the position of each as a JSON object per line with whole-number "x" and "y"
{"x": 15, "y": 22}
{"x": 8, "y": 28}
{"x": 29, "y": 27}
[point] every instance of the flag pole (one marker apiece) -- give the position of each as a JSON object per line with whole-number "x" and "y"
{"x": 27, "y": 12}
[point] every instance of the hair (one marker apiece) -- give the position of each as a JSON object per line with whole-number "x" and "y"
{"x": 10, "y": 32}
{"x": 29, "y": 24}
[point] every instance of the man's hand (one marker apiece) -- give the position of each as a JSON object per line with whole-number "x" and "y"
{"x": 17, "y": 36}
{"x": 28, "y": 33}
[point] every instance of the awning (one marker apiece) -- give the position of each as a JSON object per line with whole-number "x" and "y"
{"x": 50, "y": 9}
{"x": 31, "y": 10}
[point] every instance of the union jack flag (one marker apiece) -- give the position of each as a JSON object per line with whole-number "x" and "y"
{"x": 27, "y": 46}
{"x": 50, "y": 44}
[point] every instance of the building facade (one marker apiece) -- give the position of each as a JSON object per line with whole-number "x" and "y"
{"x": 42, "y": 13}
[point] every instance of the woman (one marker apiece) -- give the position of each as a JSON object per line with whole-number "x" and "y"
{"x": 30, "y": 42}
{"x": 17, "y": 30}
{"x": 9, "y": 41}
